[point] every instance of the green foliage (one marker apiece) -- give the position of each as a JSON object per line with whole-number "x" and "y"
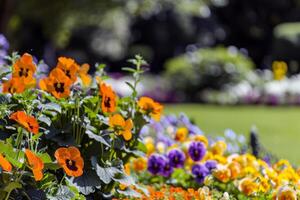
{"x": 288, "y": 31}
{"x": 78, "y": 121}
{"x": 206, "y": 68}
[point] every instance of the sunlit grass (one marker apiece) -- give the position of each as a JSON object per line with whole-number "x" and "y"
{"x": 278, "y": 127}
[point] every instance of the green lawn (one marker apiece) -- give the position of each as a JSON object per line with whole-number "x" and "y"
{"x": 278, "y": 127}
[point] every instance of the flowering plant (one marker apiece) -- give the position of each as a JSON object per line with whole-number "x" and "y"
{"x": 67, "y": 135}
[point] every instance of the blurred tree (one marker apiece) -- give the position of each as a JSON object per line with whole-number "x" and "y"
{"x": 53, "y": 23}
{"x": 250, "y": 24}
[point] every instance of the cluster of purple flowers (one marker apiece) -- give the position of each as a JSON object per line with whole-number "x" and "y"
{"x": 200, "y": 171}
{"x": 159, "y": 165}
{"x": 164, "y": 164}
{"x": 197, "y": 151}
{"x": 164, "y": 130}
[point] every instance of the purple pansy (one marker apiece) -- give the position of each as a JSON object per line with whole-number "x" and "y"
{"x": 200, "y": 172}
{"x": 155, "y": 163}
{"x": 166, "y": 169}
{"x": 211, "y": 164}
{"x": 196, "y": 151}
{"x": 176, "y": 158}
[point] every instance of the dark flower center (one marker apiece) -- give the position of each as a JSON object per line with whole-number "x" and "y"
{"x": 107, "y": 102}
{"x": 149, "y": 108}
{"x": 156, "y": 166}
{"x": 23, "y": 72}
{"x": 68, "y": 73}
{"x": 59, "y": 87}
{"x": 12, "y": 90}
{"x": 71, "y": 164}
{"x": 30, "y": 126}
{"x": 176, "y": 159}
{"x": 196, "y": 152}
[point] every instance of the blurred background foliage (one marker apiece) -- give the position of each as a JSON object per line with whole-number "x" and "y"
{"x": 111, "y": 31}
{"x": 207, "y": 68}
{"x": 93, "y": 29}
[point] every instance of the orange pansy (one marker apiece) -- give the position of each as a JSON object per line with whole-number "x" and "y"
{"x": 25, "y": 68}
{"x": 181, "y": 134}
{"x": 14, "y": 85}
{"x": 120, "y": 126}
{"x": 4, "y": 164}
{"x": 223, "y": 174}
{"x": 36, "y": 164}
{"x": 58, "y": 84}
{"x": 248, "y": 186}
{"x": 109, "y": 98}
{"x": 27, "y": 121}
{"x": 151, "y": 107}
{"x": 139, "y": 164}
{"x": 69, "y": 67}
{"x": 70, "y": 160}
{"x": 84, "y": 76}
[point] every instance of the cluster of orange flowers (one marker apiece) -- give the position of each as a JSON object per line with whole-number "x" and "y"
{"x": 149, "y": 106}
{"x": 61, "y": 78}
{"x": 68, "y": 158}
{"x": 58, "y": 82}
{"x": 173, "y": 193}
{"x": 22, "y": 75}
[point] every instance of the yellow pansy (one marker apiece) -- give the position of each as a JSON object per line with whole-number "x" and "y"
{"x": 181, "y": 134}
{"x": 219, "y": 148}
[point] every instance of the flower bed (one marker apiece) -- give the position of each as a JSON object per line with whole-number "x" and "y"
{"x": 183, "y": 163}
{"x": 68, "y": 135}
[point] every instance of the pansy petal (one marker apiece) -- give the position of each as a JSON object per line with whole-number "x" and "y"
{"x": 4, "y": 164}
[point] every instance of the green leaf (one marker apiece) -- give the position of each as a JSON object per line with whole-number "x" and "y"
{"x": 4, "y": 74}
{"x": 4, "y": 99}
{"x": 87, "y": 183}
{"x": 11, "y": 186}
{"x": 130, "y": 85}
{"x": 37, "y": 136}
{"x": 106, "y": 174}
{"x": 52, "y": 166}
{"x": 142, "y": 147}
{"x": 128, "y": 69}
{"x": 45, "y": 120}
{"x": 90, "y": 112}
{"x": 135, "y": 152}
{"x": 62, "y": 193}
{"x": 100, "y": 66}
{"x": 123, "y": 179}
{"x": 96, "y": 137}
{"x": 45, "y": 157}
{"x": 14, "y": 156}
{"x": 53, "y": 107}
{"x": 48, "y": 181}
